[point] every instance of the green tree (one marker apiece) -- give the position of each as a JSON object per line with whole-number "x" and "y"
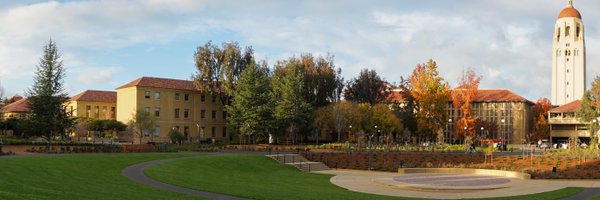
{"x": 292, "y": 112}
{"x": 176, "y": 136}
{"x": 251, "y": 110}
{"x": 431, "y": 96}
{"x": 113, "y": 127}
{"x": 368, "y": 87}
{"x": 595, "y": 90}
{"x": 220, "y": 67}
{"x": 588, "y": 113}
{"x": 142, "y": 124}
{"x": 47, "y": 97}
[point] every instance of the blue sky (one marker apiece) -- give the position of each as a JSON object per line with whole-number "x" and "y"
{"x": 108, "y": 43}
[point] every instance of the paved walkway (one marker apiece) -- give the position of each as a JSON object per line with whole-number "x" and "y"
{"x": 136, "y": 173}
{"x": 383, "y": 183}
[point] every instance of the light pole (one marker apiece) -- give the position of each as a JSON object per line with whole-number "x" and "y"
{"x": 502, "y": 133}
{"x": 198, "y": 135}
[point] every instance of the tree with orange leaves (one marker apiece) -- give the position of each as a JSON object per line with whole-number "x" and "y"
{"x": 541, "y": 128}
{"x": 430, "y": 92}
{"x": 462, "y": 96}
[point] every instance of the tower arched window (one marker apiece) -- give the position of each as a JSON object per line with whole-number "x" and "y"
{"x": 567, "y": 31}
{"x": 558, "y": 34}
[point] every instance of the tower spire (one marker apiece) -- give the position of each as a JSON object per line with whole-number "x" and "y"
{"x": 569, "y": 3}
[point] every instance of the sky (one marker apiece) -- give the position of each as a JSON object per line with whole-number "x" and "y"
{"x": 107, "y": 43}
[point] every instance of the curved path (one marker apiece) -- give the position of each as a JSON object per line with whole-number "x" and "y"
{"x": 136, "y": 173}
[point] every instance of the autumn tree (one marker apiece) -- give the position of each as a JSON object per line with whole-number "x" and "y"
{"x": 431, "y": 96}
{"x": 541, "y": 128}
{"x": 251, "y": 110}
{"x": 47, "y": 97}
{"x": 368, "y": 87}
{"x": 462, "y": 96}
{"x": 220, "y": 67}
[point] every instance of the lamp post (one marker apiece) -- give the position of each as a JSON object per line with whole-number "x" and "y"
{"x": 198, "y": 131}
{"x": 502, "y": 133}
{"x": 465, "y": 135}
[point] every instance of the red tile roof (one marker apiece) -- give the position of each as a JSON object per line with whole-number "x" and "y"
{"x": 160, "y": 83}
{"x": 498, "y": 95}
{"x": 481, "y": 96}
{"x": 571, "y": 107}
{"x": 20, "y": 106}
{"x": 96, "y": 96}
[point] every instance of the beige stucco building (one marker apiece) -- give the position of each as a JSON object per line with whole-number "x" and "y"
{"x": 94, "y": 104}
{"x": 175, "y": 104}
{"x": 564, "y": 124}
{"x": 17, "y": 109}
{"x": 568, "y": 57}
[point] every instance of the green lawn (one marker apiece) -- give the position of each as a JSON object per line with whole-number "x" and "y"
{"x": 251, "y": 176}
{"x": 77, "y": 177}
{"x": 259, "y": 177}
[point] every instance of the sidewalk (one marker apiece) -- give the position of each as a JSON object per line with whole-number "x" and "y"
{"x": 382, "y": 183}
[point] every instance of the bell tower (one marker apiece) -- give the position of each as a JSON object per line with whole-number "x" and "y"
{"x": 568, "y": 57}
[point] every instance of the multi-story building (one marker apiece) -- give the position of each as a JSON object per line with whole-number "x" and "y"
{"x": 175, "y": 104}
{"x": 565, "y": 124}
{"x": 17, "y": 109}
{"x": 94, "y": 104}
{"x": 510, "y": 112}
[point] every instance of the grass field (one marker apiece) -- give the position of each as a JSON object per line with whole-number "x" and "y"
{"x": 259, "y": 177}
{"x": 77, "y": 177}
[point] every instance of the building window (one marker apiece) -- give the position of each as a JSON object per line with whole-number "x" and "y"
{"x": 97, "y": 112}
{"x": 176, "y": 112}
{"x": 186, "y": 113}
{"x": 186, "y": 97}
{"x": 113, "y": 111}
{"x": 146, "y": 133}
{"x": 157, "y": 112}
{"x": 202, "y": 114}
{"x": 176, "y": 96}
{"x": 186, "y": 131}
{"x": 567, "y": 30}
{"x": 224, "y": 132}
{"x": 157, "y": 130}
{"x": 147, "y": 94}
{"x": 157, "y": 95}
{"x": 202, "y": 97}
{"x": 88, "y": 111}
{"x": 213, "y": 132}
{"x": 104, "y": 111}
{"x": 147, "y": 109}
{"x": 214, "y": 98}
{"x": 214, "y": 114}
{"x": 224, "y": 115}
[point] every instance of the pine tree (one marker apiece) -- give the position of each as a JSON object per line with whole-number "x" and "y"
{"x": 47, "y": 97}
{"x": 251, "y": 110}
{"x": 291, "y": 111}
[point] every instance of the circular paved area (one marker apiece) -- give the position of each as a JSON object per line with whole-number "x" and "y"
{"x": 386, "y": 183}
{"x": 452, "y": 180}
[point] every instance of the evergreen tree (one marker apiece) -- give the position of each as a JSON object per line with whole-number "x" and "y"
{"x": 368, "y": 87}
{"x": 251, "y": 110}
{"x": 47, "y": 97}
{"x": 291, "y": 111}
